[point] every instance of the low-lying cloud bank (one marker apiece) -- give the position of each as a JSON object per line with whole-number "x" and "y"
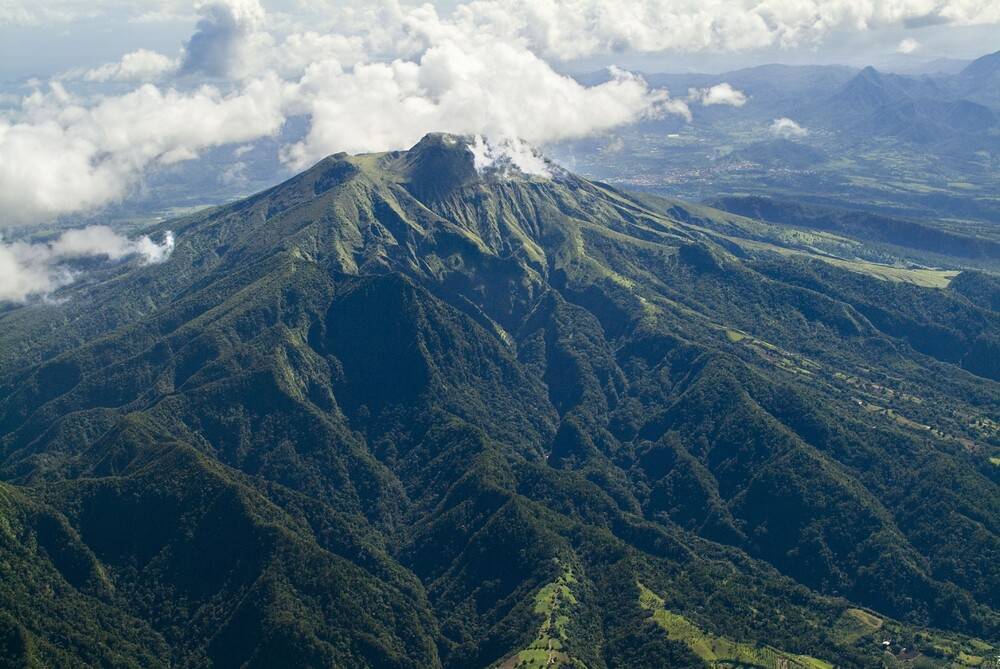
{"x": 36, "y": 270}
{"x": 574, "y": 28}
{"x": 63, "y": 155}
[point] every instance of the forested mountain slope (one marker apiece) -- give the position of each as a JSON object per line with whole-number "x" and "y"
{"x": 401, "y": 412}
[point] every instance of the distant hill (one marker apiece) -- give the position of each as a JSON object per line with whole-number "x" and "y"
{"x": 970, "y": 117}
{"x": 984, "y": 68}
{"x": 915, "y": 109}
{"x": 980, "y": 81}
{"x": 870, "y": 90}
{"x": 779, "y": 153}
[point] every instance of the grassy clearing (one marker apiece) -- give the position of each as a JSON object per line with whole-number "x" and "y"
{"x": 554, "y": 603}
{"x": 786, "y": 360}
{"x": 892, "y": 414}
{"x": 923, "y": 277}
{"x": 926, "y": 278}
{"x": 969, "y": 660}
{"x": 717, "y": 650}
{"x": 735, "y": 336}
{"x": 855, "y": 624}
{"x": 955, "y": 652}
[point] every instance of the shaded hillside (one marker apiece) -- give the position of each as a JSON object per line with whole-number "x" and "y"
{"x": 916, "y": 109}
{"x": 980, "y": 80}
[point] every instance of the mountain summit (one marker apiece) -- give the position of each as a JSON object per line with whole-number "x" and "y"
{"x": 446, "y": 408}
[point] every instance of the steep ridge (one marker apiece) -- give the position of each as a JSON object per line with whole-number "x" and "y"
{"x": 861, "y": 225}
{"x": 367, "y": 417}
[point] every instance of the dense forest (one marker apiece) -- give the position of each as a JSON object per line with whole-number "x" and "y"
{"x": 398, "y": 412}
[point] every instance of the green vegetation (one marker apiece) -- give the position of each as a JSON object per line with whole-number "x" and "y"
{"x": 734, "y": 336}
{"x": 394, "y": 413}
{"x": 856, "y": 624}
{"x": 904, "y": 647}
{"x": 555, "y": 603}
{"x": 720, "y": 651}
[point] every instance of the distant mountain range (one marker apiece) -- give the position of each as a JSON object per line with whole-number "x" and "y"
{"x": 922, "y": 108}
{"x": 919, "y": 109}
{"x": 922, "y": 146}
{"x": 402, "y": 412}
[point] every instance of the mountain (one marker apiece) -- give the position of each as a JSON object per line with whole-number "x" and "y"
{"x": 870, "y": 90}
{"x": 399, "y": 411}
{"x": 980, "y": 81}
{"x": 917, "y": 109}
{"x": 984, "y": 67}
{"x": 970, "y": 117}
{"x": 924, "y": 148}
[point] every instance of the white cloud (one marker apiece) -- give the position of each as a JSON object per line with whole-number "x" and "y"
{"x": 299, "y": 50}
{"x": 100, "y": 240}
{"x": 507, "y": 155}
{"x": 787, "y": 128}
{"x": 570, "y": 28}
{"x": 720, "y": 94}
{"x": 61, "y": 156}
{"x": 28, "y": 270}
{"x": 236, "y": 173}
{"x": 383, "y": 77}
{"x": 567, "y": 29}
{"x": 473, "y": 87}
{"x": 908, "y": 45}
{"x": 227, "y": 37}
{"x": 140, "y": 65}
{"x": 614, "y": 145}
